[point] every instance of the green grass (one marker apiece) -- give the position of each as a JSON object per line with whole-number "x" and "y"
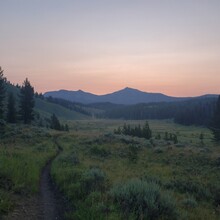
{"x": 24, "y": 151}
{"x": 46, "y": 109}
{"x": 188, "y": 170}
{"x": 95, "y": 161}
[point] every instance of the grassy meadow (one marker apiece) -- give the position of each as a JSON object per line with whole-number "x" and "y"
{"x": 108, "y": 176}
{"x": 24, "y": 151}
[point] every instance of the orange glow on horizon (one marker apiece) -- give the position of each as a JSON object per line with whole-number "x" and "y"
{"x": 104, "y": 46}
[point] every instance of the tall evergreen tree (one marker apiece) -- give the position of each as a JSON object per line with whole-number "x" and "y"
{"x": 55, "y": 123}
{"x": 2, "y": 92}
{"x": 27, "y": 102}
{"x": 11, "y": 113}
{"x": 66, "y": 127}
{"x": 215, "y": 125}
{"x": 146, "y": 131}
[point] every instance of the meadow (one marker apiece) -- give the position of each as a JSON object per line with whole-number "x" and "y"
{"x": 24, "y": 151}
{"x": 110, "y": 176}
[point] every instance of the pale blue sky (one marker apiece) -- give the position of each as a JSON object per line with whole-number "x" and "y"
{"x": 104, "y": 45}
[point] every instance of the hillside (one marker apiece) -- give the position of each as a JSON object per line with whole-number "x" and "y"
{"x": 46, "y": 109}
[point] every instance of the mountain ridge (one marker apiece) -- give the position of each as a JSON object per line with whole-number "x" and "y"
{"x": 126, "y": 96}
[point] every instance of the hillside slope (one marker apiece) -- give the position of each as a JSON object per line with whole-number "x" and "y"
{"x": 46, "y": 109}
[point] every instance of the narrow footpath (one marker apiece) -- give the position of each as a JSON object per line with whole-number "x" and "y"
{"x": 48, "y": 205}
{"x": 52, "y": 201}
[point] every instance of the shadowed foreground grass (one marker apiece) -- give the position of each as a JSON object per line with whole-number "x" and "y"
{"x": 24, "y": 151}
{"x": 108, "y": 176}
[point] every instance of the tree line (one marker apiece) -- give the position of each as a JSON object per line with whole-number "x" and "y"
{"x": 138, "y": 131}
{"x": 26, "y": 102}
{"x": 25, "y": 105}
{"x": 215, "y": 122}
{"x": 191, "y": 112}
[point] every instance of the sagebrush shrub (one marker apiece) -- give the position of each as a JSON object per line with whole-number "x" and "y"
{"x": 189, "y": 203}
{"x": 144, "y": 200}
{"x": 93, "y": 180}
{"x": 99, "y": 151}
{"x": 197, "y": 189}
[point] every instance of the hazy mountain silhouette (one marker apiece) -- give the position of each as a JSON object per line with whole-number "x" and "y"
{"x": 127, "y": 96}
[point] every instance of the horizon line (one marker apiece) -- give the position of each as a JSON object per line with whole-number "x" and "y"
{"x": 80, "y": 90}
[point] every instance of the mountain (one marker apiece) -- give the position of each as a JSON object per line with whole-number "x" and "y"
{"x": 126, "y": 96}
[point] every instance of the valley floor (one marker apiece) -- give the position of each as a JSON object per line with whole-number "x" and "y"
{"x": 109, "y": 176}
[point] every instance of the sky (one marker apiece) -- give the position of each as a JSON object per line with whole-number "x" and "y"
{"x": 100, "y": 46}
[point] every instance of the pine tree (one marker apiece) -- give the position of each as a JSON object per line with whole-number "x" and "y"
{"x": 66, "y": 127}
{"x": 2, "y": 92}
{"x": 138, "y": 131}
{"x": 125, "y": 129}
{"x": 11, "y": 113}
{"x": 27, "y": 102}
{"x": 55, "y": 123}
{"x": 215, "y": 125}
{"x": 175, "y": 140}
{"x": 146, "y": 131}
{"x": 201, "y": 137}
{"x": 166, "y": 138}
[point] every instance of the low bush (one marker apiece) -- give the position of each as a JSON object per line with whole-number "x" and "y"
{"x": 198, "y": 190}
{"x": 144, "y": 200}
{"x": 215, "y": 191}
{"x": 92, "y": 208}
{"x": 133, "y": 153}
{"x": 158, "y": 150}
{"x": 189, "y": 203}
{"x": 99, "y": 151}
{"x": 93, "y": 180}
{"x": 152, "y": 179}
{"x": 6, "y": 204}
{"x": 70, "y": 159}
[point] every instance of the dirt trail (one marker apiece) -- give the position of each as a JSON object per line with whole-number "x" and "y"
{"x": 52, "y": 201}
{"x": 48, "y": 205}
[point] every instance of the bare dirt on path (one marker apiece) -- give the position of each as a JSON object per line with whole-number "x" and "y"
{"x": 53, "y": 204}
{"x": 48, "y": 205}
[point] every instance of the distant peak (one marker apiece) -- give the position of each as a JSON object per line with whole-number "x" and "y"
{"x": 128, "y": 89}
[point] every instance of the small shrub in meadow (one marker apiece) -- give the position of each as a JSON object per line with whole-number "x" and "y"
{"x": 199, "y": 191}
{"x": 152, "y": 179}
{"x": 158, "y": 150}
{"x": 5, "y": 203}
{"x": 218, "y": 162}
{"x": 99, "y": 151}
{"x": 189, "y": 203}
{"x": 144, "y": 200}
{"x": 158, "y": 136}
{"x": 5, "y": 182}
{"x": 133, "y": 153}
{"x": 71, "y": 159}
{"x": 215, "y": 191}
{"x": 90, "y": 208}
{"x": 93, "y": 180}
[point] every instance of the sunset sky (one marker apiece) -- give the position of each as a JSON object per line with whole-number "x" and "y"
{"x": 100, "y": 46}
